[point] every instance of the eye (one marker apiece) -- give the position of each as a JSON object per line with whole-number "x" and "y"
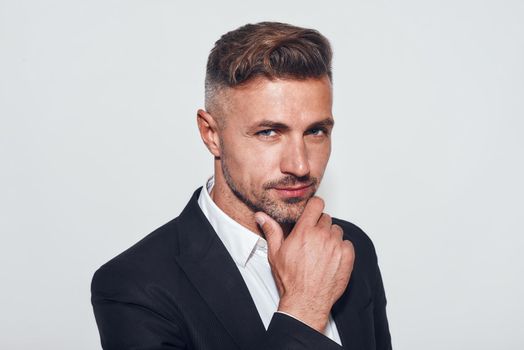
{"x": 267, "y": 133}
{"x": 317, "y": 131}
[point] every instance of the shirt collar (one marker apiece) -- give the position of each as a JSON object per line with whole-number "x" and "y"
{"x": 240, "y": 242}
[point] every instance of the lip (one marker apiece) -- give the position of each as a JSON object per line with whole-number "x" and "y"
{"x": 296, "y": 191}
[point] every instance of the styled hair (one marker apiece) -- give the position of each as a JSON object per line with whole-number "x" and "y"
{"x": 266, "y": 49}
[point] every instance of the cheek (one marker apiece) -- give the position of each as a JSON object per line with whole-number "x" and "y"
{"x": 260, "y": 164}
{"x": 254, "y": 165}
{"x": 246, "y": 160}
{"x": 319, "y": 157}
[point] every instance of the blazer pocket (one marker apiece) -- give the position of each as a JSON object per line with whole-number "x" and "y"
{"x": 367, "y": 323}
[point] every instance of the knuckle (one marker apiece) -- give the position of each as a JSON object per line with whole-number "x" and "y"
{"x": 325, "y": 220}
{"x": 350, "y": 256}
{"x": 320, "y": 233}
{"x": 337, "y": 228}
{"x": 348, "y": 247}
{"x": 337, "y": 234}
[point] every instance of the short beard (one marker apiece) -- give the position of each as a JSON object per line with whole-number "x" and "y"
{"x": 287, "y": 212}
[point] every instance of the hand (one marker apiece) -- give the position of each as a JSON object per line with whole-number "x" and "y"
{"x": 312, "y": 266}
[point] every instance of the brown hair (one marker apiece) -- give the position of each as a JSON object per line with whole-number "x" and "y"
{"x": 268, "y": 49}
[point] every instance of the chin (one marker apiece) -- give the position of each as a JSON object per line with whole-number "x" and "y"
{"x": 289, "y": 211}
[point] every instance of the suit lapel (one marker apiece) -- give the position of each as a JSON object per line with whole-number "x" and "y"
{"x": 210, "y": 268}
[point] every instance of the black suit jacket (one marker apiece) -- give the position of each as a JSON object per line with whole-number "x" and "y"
{"x": 178, "y": 288}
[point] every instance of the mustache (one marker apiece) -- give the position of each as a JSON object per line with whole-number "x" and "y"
{"x": 291, "y": 180}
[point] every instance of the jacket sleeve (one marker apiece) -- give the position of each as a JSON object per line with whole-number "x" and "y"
{"x": 125, "y": 323}
{"x": 287, "y": 333}
{"x": 382, "y": 335}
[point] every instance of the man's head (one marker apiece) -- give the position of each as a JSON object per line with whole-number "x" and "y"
{"x": 268, "y": 119}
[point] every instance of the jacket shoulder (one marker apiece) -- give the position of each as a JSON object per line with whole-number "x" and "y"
{"x": 146, "y": 260}
{"x": 363, "y": 245}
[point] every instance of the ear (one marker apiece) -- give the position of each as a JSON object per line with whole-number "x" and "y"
{"x": 208, "y": 128}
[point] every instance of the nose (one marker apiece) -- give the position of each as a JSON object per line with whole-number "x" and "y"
{"x": 295, "y": 158}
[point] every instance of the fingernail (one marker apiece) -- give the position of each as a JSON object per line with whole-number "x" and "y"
{"x": 260, "y": 220}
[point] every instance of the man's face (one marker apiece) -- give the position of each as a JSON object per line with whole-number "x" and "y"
{"x": 275, "y": 143}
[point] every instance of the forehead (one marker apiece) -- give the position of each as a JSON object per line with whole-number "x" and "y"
{"x": 281, "y": 100}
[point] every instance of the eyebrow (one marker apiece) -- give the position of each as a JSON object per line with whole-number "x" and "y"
{"x": 272, "y": 125}
{"x": 328, "y": 122}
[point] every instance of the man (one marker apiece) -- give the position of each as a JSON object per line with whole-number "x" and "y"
{"x": 252, "y": 262}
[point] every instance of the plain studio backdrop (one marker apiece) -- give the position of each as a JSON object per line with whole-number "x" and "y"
{"x": 99, "y": 146}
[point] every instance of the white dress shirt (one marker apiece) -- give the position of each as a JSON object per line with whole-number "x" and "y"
{"x": 249, "y": 251}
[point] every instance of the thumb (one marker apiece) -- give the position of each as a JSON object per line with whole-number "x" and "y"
{"x": 272, "y": 231}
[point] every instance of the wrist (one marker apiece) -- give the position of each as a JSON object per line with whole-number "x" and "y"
{"x": 311, "y": 316}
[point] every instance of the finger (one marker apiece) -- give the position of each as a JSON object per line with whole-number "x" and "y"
{"x": 337, "y": 230}
{"x": 349, "y": 254}
{"x": 272, "y": 232}
{"x": 324, "y": 221}
{"x": 311, "y": 213}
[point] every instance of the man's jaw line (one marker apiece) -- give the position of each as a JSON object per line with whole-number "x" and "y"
{"x": 289, "y": 192}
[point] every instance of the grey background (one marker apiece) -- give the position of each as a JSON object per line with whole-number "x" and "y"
{"x": 99, "y": 146}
